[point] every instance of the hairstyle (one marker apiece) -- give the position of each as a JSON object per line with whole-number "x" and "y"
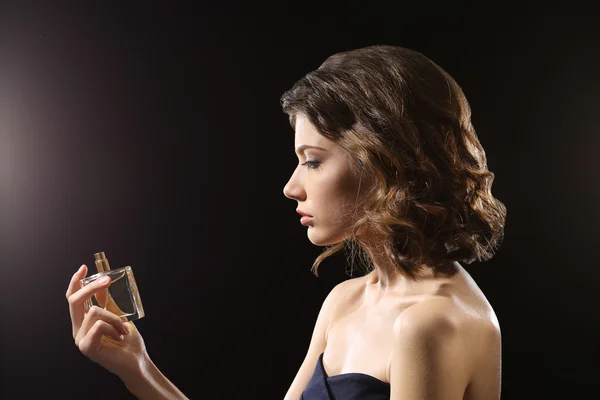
{"x": 406, "y": 124}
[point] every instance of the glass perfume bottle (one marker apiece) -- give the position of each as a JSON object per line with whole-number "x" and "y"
{"x": 121, "y": 297}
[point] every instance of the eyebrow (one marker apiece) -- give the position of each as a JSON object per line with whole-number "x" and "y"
{"x": 300, "y": 149}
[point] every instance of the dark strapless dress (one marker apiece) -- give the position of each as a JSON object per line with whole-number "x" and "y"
{"x": 350, "y": 386}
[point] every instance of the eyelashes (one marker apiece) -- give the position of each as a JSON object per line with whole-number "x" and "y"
{"x": 312, "y": 164}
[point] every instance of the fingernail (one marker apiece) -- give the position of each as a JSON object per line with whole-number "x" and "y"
{"x": 125, "y": 329}
{"x": 104, "y": 280}
{"x": 81, "y": 268}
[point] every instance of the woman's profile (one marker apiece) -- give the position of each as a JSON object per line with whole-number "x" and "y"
{"x": 390, "y": 168}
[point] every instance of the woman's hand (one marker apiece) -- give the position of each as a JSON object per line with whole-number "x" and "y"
{"x": 101, "y": 335}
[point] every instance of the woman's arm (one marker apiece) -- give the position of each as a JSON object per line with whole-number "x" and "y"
{"x": 147, "y": 382}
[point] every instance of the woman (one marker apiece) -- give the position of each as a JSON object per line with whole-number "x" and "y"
{"x": 389, "y": 167}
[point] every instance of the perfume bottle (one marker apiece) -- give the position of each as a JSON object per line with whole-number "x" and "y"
{"x": 121, "y": 297}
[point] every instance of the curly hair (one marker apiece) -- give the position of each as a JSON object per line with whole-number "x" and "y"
{"x": 406, "y": 124}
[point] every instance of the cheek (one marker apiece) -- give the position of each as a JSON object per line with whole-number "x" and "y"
{"x": 338, "y": 196}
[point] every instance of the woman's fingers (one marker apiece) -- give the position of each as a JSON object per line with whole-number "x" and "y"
{"x": 91, "y": 343}
{"x": 74, "y": 284}
{"x": 74, "y": 287}
{"x": 78, "y": 296}
{"x": 95, "y": 316}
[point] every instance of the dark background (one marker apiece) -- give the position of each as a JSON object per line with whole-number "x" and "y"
{"x": 154, "y": 133}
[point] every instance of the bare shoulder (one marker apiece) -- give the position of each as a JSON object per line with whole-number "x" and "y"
{"x": 334, "y": 303}
{"x": 447, "y": 316}
{"x": 343, "y": 295}
{"x": 349, "y": 286}
{"x": 441, "y": 333}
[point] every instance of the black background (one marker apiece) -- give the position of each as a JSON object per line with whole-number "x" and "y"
{"x": 153, "y": 132}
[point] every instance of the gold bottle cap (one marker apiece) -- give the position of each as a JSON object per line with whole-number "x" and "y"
{"x": 101, "y": 262}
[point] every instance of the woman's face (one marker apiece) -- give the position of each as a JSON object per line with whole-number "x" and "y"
{"x": 323, "y": 184}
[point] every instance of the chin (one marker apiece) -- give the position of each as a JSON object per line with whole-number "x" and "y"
{"x": 323, "y": 238}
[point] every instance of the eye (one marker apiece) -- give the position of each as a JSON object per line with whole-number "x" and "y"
{"x": 312, "y": 164}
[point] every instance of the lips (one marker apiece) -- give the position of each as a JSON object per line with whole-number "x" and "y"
{"x": 306, "y": 218}
{"x": 299, "y": 211}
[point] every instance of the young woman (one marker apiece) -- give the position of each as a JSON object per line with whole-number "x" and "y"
{"x": 391, "y": 168}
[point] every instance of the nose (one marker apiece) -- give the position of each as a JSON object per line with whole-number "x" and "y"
{"x": 293, "y": 189}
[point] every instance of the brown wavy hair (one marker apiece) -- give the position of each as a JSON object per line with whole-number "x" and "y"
{"x": 406, "y": 124}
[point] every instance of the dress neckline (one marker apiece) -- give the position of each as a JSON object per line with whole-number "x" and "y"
{"x": 348, "y": 374}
